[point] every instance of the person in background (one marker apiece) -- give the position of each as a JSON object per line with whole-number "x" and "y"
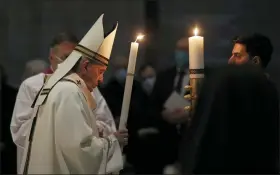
{"x": 8, "y": 149}
{"x": 256, "y": 49}
{"x": 235, "y": 128}
{"x": 168, "y": 81}
{"x": 61, "y": 46}
{"x": 114, "y": 89}
{"x": 147, "y": 75}
{"x": 34, "y": 67}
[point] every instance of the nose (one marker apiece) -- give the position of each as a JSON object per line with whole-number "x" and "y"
{"x": 231, "y": 60}
{"x": 100, "y": 80}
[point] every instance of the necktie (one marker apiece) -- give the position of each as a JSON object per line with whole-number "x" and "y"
{"x": 178, "y": 87}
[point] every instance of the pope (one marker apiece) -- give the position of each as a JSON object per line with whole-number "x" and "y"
{"x": 64, "y": 137}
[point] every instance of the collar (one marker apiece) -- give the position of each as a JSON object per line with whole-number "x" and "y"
{"x": 82, "y": 85}
{"x": 48, "y": 71}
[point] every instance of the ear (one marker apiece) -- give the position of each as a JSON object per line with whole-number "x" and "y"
{"x": 84, "y": 65}
{"x": 256, "y": 60}
{"x": 51, "y": 53}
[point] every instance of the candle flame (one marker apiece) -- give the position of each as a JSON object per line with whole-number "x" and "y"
{"x": 195, "y": 31}
{"x": 139, "y": 37}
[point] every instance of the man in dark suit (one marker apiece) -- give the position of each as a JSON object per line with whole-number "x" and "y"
{"x": 165, "y": 120}
{"x": 256, "y": 49}
{"x": 253, "y": 49}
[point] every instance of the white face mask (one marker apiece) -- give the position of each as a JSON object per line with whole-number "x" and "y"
{"x": 148, "y": 84}
{"x": 58, "y": 59}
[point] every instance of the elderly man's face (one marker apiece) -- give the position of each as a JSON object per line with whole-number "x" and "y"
{"x": 239, "y": 55}
{"x": 60, "y": 52}
{"x": 92, "y": 74}
{"x": 96, "y": 73}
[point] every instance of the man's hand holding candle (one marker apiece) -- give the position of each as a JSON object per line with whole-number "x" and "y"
{"x": 122, "y": 136}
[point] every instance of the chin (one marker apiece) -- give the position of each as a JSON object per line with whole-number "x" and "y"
{"x": 90, "y": 88}
{"x": 93, "y": 87}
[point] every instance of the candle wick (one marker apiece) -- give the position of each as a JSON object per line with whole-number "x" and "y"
{"x": 136, "y": 40}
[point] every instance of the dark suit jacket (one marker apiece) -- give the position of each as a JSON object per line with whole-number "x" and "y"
{"x": 169, "y": 136}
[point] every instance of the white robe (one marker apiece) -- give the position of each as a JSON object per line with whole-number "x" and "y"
{"x": 66, "y": 139}
{"x": 22, "y": 115}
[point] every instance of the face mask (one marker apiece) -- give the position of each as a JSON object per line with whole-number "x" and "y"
{"x": 121, "y": 75}
{"x": 58, "y": 59}
{"x": 58, "y": 65}
{"x": 148, "y": 84}
{"x": 181, "y": 58}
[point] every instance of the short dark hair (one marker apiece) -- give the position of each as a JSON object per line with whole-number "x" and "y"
{"x": 91, "y": 61}
{"x": 64, "y": 37}
{"x": 144, "y": 67}
{"x": 257, "y": 45}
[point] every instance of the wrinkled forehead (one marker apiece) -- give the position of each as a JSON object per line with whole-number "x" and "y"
{"x": 239, "y": 48}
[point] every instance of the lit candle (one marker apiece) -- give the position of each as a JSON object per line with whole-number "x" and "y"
{"x": 196, "y": 55}
{"x": 129, "y": 82}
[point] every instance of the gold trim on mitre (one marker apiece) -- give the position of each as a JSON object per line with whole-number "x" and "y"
{"x": 92, "y": 55}
{"x": 96, "y": 44}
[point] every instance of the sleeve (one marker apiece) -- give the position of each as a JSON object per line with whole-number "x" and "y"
{"x": 83, "y": 150}
{"x": 103, "y": 113}
{"x": 22, "y": 114}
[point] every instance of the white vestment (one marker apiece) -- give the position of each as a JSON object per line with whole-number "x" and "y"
{"x": 22, "y": 115}
{"x": 66, "y": 139}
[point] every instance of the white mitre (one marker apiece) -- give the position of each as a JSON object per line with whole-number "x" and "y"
{"x": 94, "y": 45}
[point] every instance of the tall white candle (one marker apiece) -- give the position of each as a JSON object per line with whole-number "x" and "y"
{"x": 129, "y": 82}
{"x": 196, "y": 55}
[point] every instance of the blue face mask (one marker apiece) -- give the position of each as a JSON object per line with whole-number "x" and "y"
{"x": 148, "y": 84}
{"x": 181, "y": 58}
{"x": 121, "y": 75}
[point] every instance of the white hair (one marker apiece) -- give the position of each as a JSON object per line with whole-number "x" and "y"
{"x": 77, "y": 67}
{"x": 34, "y": 67}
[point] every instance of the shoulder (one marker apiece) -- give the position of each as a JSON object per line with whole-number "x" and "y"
{"x": 31, "y": 85}
{"x": 34, "y": 82}
{"x": 273, "y": 87}
{"x": 65, "y": 88}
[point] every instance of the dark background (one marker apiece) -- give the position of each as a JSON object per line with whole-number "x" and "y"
{"x": 27, "y": 27}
